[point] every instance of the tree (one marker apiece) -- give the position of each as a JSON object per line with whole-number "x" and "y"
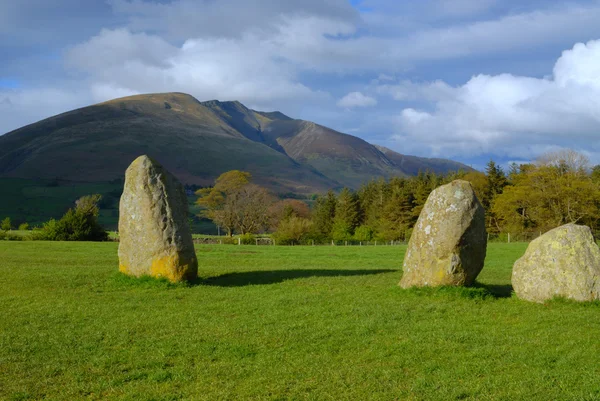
{"x": 565, "y": 160}
{"x": 6, "y": 224}
{"x": 480, "y": 185}
{"x": 595, "y": 175}
{"x": 424, "y": 184}
{"x": 346, "y": 216}
{"x": 372, "y": 198}
{"x": 250, "y": 207}
{"x": 292, "y": 230}
{"x": 496, "y": 180}
{"x": 324, "y": 215}
{"x": 89, "y": 204}
{"x": 78, "y": 224}
{"x": 286, "y": 208}
{"x": 215, "y": 202}
{"x": 363, "y": 233}
{"x": 546, "y": 196}
{"x": 398, "y": 215}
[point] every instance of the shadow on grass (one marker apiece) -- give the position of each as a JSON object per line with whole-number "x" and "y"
{"x": 478, "y": 291}
{"x": 241, "y": 279}
{"x": 496, "y": 290}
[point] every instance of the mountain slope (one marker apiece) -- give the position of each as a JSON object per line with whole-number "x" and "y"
{"x": 344, "y": 158}
{"x": 97, "y": 143}
{"x": 412, "y": 165}
{"x": 198, "y": 141}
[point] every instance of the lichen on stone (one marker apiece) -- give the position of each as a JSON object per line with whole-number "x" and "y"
{"x": 154, "y": 235}
{"x": 448, "y": 244}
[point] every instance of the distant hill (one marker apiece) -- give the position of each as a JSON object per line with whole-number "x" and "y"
{"x": 197, "y": 141}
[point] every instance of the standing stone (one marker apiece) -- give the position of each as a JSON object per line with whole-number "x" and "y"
{"x": 448, "y": 243}
{"x": 154, "y": 235}
{"x": 564, "y": 262}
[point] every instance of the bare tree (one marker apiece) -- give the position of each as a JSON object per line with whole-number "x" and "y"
{"x": 566, "y": 160}
{"x": 88, "y": 204}
{"x": 252, "y": 205}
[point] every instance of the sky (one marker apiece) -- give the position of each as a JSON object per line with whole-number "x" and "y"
{"x": 470, "y": 80}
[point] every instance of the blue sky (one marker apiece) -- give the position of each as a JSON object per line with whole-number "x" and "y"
{"x": 463, "y": 79}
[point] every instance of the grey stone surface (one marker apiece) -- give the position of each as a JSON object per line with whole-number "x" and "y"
{"x": 564, "y": 262}
{"x": 448, "y": 243}
{"x": 154, "y": 234}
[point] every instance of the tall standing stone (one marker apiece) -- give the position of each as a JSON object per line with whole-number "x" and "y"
{"x": 448, "y": 243}
{"x": 154, "y": 234}
{"x": 564, "y": 262}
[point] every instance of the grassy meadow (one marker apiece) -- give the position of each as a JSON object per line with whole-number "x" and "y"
{"x": 302, "y": 323}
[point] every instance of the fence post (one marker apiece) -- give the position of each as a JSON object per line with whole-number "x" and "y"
{"x": 256, "y": 241}
{"x": 240, "y": 241}
{"x": 313, "y": 242}
{"x": 220, "y": 242}
{"x": 375, "y": 243}
{"x": 509, "y": 238}
{"x": 360, "y": 243}
{"x": 346, "y": 243}
{"x": 331, "y": 242}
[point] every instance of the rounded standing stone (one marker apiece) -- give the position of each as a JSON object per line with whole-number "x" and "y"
{"x": 448, "y": 243}
{"x": 564, "y": 262}
{"x": 154, "y": 234}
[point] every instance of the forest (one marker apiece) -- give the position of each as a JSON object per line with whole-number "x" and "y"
{"x": 523, "y": 202}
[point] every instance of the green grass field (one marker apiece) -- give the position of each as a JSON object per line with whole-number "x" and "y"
{"x": 314, "y": 323}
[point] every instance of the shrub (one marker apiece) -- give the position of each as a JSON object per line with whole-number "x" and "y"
{"x": 363, "y": 233}
{"x": 24, "y": 226}
{"x": 6, "y": 225}
{"x": 292, "y": 230}
{"x": 3, "y": 235}
{"x": 14, "y": 237}
{"x": 341, "y": 231}
{"x": 79, "y": 224}
{"x": 248, "y": 239}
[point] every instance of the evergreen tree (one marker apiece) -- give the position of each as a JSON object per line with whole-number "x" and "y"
{"x": 496, "y": 180}
{"x": 397, "y": 217}
{"x": 323, "y": 215}
{"x": 346, "y": 215}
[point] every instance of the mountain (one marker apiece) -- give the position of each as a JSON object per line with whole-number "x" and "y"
{"x": 412, "y": 165}
{"x": 195, "y": 141}
{"x": 88, "y": 149}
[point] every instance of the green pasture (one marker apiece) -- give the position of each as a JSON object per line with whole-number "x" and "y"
{"x": 274, "y": 323}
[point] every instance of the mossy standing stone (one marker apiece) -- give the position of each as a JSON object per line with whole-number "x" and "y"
{"x": 448, "y": 243}
{"x": 564, "y": 262}
{"x": 154, "y": 234}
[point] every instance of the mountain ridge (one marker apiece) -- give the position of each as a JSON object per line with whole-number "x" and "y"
{"x": 198, "y": 141}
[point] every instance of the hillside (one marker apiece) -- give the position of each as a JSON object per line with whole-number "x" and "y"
{"x": 411, "y": 165}
{"x": 66, "y": 155}
{"x": 97, "y": 143}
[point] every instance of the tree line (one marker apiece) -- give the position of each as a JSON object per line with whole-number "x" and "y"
{"x": 79, "y": 223}
{"x": 531, "y": 198}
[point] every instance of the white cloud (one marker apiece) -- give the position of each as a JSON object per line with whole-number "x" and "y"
{"x": 330, "y": 36}
{"x": 25, "y": 106}
{"x": 407, "y": 90}
{"x": 509, "y": 115}
{"x": 245, "y": 69}
{"x": 356, "y": 99}
{"x": 186, "y": 19}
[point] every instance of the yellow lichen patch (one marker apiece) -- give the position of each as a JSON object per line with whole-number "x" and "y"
{"x": 123, "y": 268}
{"x": 167, "y": 267}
